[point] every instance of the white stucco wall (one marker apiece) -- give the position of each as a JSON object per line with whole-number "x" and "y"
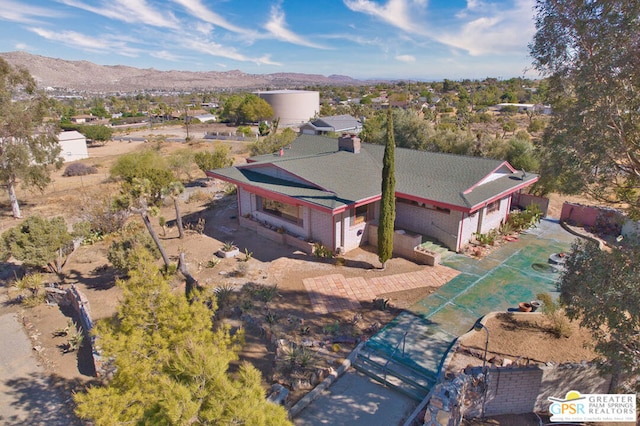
{"x": 469, "y": 227}
{"x": 493, "y": 220}
{"x": 433, "y": 223}
{"x": 354, "y": 234}
{"x": 321, "y": 225}
{"x": 73, "y": 146}
{"x": 245, "y": 202}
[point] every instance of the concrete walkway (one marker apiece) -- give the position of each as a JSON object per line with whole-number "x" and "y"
{"x": 333, "y": 293}
{"x": 356, "y": 400}
{"x": 28, "y": 395}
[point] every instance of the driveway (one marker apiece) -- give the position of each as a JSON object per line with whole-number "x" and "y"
{"x": 28, "y": 394}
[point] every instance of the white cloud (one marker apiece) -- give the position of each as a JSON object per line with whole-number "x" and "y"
{"x": 358, "y": 39}
{"x": 406, "y": 58}
{"x": 215, "y": 49}
{"x": 165, "y": 55}
{"x": 398, "y": 13}
{"x": 129, "y": 11}
{"x": 22, "y": 46}
{"x": 24, "y": 13}
{"x": 200, "y": 11}
{"x": 204, "y": 28}
{"x": 277, "y": 27}
{"x": 85, "y": 42}
{"x": 489, "y": 29}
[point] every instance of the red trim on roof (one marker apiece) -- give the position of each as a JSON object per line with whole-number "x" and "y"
{"x": 269, "y": 194}
{"x": 504, "y": 163}
{"x": 357, "y": 204}
{"x": 432, "y": 202}
{"x": 503, "y": 194}
{"x": 270, "y": 165}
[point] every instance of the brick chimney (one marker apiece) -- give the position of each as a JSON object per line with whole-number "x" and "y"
{"x": 350, "y": 143}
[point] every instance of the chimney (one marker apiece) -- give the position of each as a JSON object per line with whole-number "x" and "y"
{"x": 350, "y": 143}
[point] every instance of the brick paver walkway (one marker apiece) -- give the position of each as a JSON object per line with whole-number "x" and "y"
{"x": 333, "y": 293}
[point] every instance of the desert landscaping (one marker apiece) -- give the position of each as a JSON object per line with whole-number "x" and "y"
{"x": 259, "y": 290}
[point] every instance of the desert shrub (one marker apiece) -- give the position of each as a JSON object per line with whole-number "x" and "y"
{"x": 267, "y": 293}
{"x": 488, "y": 239}
{"x": 199, "y": 196}
{"x": 536, "y": 125}
{"x": 79, "y": 169}
{"x": 300, "y": 357}
{"x": 321, "y": 251}
{"x": 197, "y": 226}
{"x": 555, "y": 314}
{"x": 332, "y": 329}
{"x": 103, "y": 216}
{"x": 132, "y": 237}
{"x": 528, "y": 218}
{"x": 223, "y": 295}
{"x": 216, "y": 159}
{"x": 39, "y": 243}
{"x": 506, "y": 228}
{"x": 31, "y": 289}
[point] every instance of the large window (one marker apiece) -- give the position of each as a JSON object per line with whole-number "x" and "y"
{"x": 493, "y": 207}
{"x": 359, "y": 215}
{"x": 284, "y": 211}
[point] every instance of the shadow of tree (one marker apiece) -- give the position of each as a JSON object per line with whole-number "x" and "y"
{"x": 84, "y": 354}
{"x": 99, "y": 279}
{"x": 41, "y": 399}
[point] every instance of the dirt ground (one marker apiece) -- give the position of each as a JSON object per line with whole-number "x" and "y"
{"x": 268, "y": 265}
{"x": 524, "y": 339}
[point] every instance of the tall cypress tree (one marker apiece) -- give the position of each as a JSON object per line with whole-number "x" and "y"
{"x": 388, "y": 200}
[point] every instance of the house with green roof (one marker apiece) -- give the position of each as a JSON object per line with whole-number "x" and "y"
{"x": 328, "y": 191}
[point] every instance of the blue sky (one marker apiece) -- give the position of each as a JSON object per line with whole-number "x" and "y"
{"x": 401, "y": 39}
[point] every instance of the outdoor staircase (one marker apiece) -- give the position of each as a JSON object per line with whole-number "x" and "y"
{"x": 438, "y": 248}
{"x": 389, "y": 366}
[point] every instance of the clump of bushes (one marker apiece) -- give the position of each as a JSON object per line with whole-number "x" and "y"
{"x": 527, "y": 218}
{"x": 122, "y": 251}
{"x": 555, "y": 314}
{"x": 79, "y": 169}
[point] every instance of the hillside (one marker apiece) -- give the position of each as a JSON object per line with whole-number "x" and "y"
{"x": 84, "y": 76}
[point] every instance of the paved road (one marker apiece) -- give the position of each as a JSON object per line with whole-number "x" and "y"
{"x": 28, "y": 395}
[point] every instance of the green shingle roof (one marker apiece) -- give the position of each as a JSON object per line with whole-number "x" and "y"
{"x": 314, "y": 171}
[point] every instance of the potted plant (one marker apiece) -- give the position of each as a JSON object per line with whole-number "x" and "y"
{"x": 525, "y": 307}
{"x": 229, "y": 249}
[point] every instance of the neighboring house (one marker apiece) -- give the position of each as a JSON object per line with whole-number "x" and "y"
{"x": 83, "y": 118}
{"x": 328, "y": 191}
{"x": 74, "y": 146}
{"x": 205, "y": 118}
{"x": 332, "y": 124}
{"x": 537, "y": 108}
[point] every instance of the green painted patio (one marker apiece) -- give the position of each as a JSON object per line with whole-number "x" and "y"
{"x": 497, "y": 282}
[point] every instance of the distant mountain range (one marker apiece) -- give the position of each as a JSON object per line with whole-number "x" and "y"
{"x": 84, "y": 76}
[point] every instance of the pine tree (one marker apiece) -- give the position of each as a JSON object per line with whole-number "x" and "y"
{"x": 388, "y": 200}
{"x": 171, "y": 363}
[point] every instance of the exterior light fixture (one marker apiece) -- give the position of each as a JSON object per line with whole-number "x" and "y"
{"x": 477, "y": 327}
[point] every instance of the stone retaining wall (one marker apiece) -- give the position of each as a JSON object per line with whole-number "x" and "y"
{"x": 80, "y": 304}
{"x": 509, "y": 390}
